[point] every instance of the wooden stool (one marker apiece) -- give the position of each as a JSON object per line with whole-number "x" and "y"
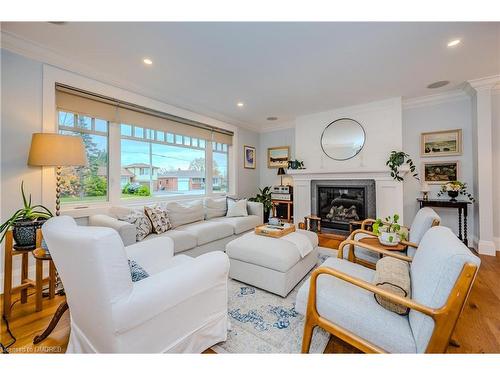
{"x": 41, "y": 256}
{"x": 8, "y": 290}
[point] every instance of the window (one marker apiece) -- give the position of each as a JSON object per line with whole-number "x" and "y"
{"x": 220, "y": 167}
{"x": 90, "y": 183}
{"x": 160, "y": 166}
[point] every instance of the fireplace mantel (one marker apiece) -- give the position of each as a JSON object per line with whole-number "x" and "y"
{"x": 389, "y": 193}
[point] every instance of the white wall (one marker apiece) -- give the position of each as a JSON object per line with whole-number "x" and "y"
{"x": 455, "y": 114}
{"x": 381, "y": 121}
{"x": 495, "y": 104}
{"x": 248, "y": 179}
{"x": 284, "y": 137}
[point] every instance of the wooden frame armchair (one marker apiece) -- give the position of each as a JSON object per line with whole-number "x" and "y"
{"x": 429, "y": 339}
{"x": 425, "y": 219}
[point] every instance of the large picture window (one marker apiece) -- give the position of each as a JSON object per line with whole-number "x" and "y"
{"x": 89, "y": 183}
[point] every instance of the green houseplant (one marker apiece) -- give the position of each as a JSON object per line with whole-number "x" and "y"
{"x": 398, "y": 159}
{"x": 389, "y": 231}
{"x": 25, "y": 221}
{"x": 264, "y": 197}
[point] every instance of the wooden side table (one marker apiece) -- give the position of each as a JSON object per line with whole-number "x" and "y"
{"x": 289, "y": 209}
{"x": 42, "y": 256}
{"x": 10, "y": 252}
{"x": 373, "y": 241}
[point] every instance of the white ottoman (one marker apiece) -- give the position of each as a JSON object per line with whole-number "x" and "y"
{"x": 268, "y": 263}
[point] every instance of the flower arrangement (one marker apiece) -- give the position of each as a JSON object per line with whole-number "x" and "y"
{"x": 454, "y": 189}
{"x": 389, "y": 231}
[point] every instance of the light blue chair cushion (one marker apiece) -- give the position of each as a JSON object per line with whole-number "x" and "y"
{"x": 421, "y": 224}
{"x": 435, "y": 268}
{"x": 356, "y": 310}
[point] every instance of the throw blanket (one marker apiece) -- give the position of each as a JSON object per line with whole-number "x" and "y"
{"x": 301, "y": 242}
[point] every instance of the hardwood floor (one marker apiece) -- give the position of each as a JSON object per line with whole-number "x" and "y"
{"x": 477, "y": 331}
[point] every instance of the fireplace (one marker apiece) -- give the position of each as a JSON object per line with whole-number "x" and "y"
{"x": 338, "y": 202}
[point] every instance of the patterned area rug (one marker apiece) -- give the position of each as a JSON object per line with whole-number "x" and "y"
{"x": 262, "y": 322}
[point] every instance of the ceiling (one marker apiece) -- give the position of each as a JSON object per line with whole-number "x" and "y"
{"x": 276, "y": 69}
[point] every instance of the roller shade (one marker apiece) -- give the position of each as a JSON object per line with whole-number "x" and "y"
{"x": 78, "y": 101}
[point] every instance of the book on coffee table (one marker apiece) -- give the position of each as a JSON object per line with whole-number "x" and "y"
{"x": 275, "y": 231}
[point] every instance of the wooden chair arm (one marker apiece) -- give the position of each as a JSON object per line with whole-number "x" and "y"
{"x": 410, "y": 303}
{"x": 393, "y": 254}
{"x": 408, "y": 243}
{"x": 362, "y": 231}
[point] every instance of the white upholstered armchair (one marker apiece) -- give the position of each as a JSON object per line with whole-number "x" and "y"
{"x": 180, "y": 307}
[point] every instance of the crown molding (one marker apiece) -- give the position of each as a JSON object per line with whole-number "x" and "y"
{"x": 269, "y": 128}
{"x": 485, "y": 83}
{"x": 435, "y": 99}
{"x": 38, "y": 52}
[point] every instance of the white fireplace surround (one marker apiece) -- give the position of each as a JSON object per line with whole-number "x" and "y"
{"x": 389, "y": 193}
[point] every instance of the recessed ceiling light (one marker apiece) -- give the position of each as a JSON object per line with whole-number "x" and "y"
{"x": 240, "y": 104}
{"x": 147, "y": 61}
{"x": 438, "y": 84}
{"x": 272, "y": 118}
{"x": 454, "y": 42}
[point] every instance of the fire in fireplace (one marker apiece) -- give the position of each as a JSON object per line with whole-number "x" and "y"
{"x": 340, "y": 202}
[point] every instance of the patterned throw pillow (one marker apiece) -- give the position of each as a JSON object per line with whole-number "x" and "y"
{"x": 136, "y": 271}
{"x": 142, "y": 224}
{"x": 159, "y": 219}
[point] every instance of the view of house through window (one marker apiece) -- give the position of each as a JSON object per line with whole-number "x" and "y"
{"x": 89, "y": 183}
{"x": 157, "y": 163}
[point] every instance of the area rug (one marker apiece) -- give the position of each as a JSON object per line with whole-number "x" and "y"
{"x": 262, "y": 322}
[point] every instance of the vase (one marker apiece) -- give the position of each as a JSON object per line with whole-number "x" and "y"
{"x": 24, "y": 233}
{"x": 389, "y": 238}
{"x": 453, "y": 195}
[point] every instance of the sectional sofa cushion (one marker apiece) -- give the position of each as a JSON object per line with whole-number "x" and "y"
{"x": 207, "y": 231}
{"x": 236, "y": 208}
{"x": 240, "y": 224}
{"x": 215, "y": 207}
{"x": 182, "y": 240}
{"x": 356, "y": 310}
{"x": 181, "y": 213}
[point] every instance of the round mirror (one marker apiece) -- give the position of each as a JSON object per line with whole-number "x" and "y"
{"x": 343, "y": 139}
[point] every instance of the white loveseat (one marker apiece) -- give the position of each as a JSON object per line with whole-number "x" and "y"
{"x": 199, "y": 226}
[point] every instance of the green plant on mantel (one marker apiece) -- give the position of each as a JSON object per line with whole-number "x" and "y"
{"x": 396, "y": 160}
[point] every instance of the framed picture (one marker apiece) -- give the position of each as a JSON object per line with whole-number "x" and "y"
{"x": 441, "y": 172}
{"x": 442, "y": 143}
{"x": 249, "y": 157}
{"x": 277, "y": 157}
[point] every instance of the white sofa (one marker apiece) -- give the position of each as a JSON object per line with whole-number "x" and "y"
{"x": 199, "y": 226}
{"x": 180, "y": 307}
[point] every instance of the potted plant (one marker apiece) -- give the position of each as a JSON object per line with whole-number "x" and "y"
{"x": 397, "y": 159}
{"x": 389, "y": 232}
{"x": 264, "y": 197}
{"x": 454, "y": 189}
{"x": 25, "y": 221}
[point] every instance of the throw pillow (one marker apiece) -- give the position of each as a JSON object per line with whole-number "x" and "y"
{"x": 181, "y": 213}
{"x": 393, "y": 275}
{"x": 215, "y": 207}
{"x": 159, "y": 219}
{"x": 236, "y": 208}
{"x": 136, "y": 271}
{"x": 142, "y": 223}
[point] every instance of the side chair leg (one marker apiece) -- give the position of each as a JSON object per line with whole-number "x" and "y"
{"x": 306, "y": 339}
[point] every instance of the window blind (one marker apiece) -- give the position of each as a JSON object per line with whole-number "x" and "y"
{"x": 113, "y": 110}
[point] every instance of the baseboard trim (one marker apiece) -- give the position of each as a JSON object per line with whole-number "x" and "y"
{"x": 486, "y": 248}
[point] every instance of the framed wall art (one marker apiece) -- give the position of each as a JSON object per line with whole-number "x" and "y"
{"x": 441, "y": 143}
{"x": 277, "y": 157}
{"x": 249, "y": 157}
{"x": 441, "y": 172}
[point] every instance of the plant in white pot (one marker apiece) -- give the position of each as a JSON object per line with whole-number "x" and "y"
{"x": 389, "y": 232}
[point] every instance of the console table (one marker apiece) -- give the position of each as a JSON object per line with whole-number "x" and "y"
{"x": 460, "y": 205}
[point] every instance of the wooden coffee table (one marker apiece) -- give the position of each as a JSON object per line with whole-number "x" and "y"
{"x": 373, "y": 241}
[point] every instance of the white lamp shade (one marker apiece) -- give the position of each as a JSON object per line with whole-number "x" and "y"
{"x": 50, "y": 149}
{"x": 424, "y": 187}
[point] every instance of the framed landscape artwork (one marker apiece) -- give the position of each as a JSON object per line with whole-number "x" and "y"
{"x": 277, "y": 157}
{"x": 249, "y": 157}
{"x": 441, "y": 172}
{"x": 441, "y": 143}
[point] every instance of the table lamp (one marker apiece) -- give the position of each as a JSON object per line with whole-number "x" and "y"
{"x": 56, "y": 150}
{"x": 281, "y": 173}
{"x": 424, "y": 188}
